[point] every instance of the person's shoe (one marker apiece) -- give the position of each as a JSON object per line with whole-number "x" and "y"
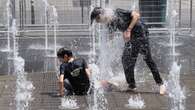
{"x": 132, "y": 88}
{"x": 162, "y": 89}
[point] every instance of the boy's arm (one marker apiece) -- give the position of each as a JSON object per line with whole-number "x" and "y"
{"x": 61, "y": 84}
{"x": 135, "y": 17}
{"x": 61, "y": 80}
{"x": 88, "y": 71}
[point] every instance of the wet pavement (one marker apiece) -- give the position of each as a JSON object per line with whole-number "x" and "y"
{"x": 44, "y": 94}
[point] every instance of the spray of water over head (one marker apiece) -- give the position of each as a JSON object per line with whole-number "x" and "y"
{"x": 95, "y": 13}
{"x": 101, "y": 14}
{"x": 108, "y": 12}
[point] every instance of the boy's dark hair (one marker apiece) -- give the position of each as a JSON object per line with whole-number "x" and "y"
{"x": 95, "y": 13}
{"x": 63, "y": 51}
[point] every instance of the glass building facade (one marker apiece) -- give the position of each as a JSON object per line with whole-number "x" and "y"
{"x": 153, "y": 12}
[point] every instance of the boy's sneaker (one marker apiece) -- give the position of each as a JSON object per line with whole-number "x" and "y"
{"x": 162, "y": 89}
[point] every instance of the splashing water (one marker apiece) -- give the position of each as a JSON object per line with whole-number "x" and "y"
{"x": 119, "y": 82}
{"x": 135, "y": 102}
{"x": 175, "y": 92}
{"x": 135, "y": 5}
{"x": 99, "y": 100}
{"x": 172, "y": 20}
{"x": 46, "y": 24}
{"x": 95, "y": 3}
{"x": 110, "y": 57}
{"x": 9, "y": 17}
{"x": 55, "y": 22}
{"x": 23, "y": 87}
{"x": 108, "y": 12}
{"x": 68, "y": 103}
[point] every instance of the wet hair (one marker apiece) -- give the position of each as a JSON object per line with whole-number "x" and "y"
{"x": 63, "y": 51}
{"x": 95, "y": 13}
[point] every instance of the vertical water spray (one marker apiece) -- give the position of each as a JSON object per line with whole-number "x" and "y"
{"x": 135, "y": 5}
{"x": 9, "y": 17}
{"x": 15, "y": 44}
{"x": 175, "y": 91}
{"x": 23, "y": 86}
{"x": 98, "y": 100}
{"x": 9, "y": 21}
{"x": 93, "y": 28}
{"x": 55, "y": 23}
{"x": 46, "y": 12}
{"x": 173, "y": 19}
{"x": 105, "y": 58}
{"x": 46, "y": 5}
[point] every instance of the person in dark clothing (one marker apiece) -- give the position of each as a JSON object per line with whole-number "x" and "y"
{"x": 135, "y": 34}
{"x": 74, "y": 74}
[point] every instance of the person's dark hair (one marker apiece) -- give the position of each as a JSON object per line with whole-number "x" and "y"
{"x": 95, "y": 13}
{"x": 63, "y": 51}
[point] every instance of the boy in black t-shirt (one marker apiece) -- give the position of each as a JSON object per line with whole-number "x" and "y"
{"x": 135, "y": 35}
{"x": 74, "y": 74}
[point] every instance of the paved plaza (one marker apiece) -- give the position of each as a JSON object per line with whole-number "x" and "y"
{"x": 44, "y": 94}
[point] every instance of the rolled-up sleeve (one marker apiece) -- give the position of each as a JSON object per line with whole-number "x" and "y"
{"x": 62, "y": 69}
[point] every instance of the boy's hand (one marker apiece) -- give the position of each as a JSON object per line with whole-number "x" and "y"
{"x": 127, "y": 35}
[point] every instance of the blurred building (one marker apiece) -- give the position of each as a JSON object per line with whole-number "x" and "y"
{"x": 73, "y": 28}
{"x": 153, "y": 12}
{"x": 77, "y": 11}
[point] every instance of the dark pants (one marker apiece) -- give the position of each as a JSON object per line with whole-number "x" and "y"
{"x": 68, "y": 87}
{"x": 70, "y": 90}
{"x": 130, "y": 54}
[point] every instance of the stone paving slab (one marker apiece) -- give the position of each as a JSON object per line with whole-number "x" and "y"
{"x": 46, "y": 88}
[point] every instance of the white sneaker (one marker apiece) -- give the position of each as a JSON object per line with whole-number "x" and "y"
{"x": 162, "y": 89}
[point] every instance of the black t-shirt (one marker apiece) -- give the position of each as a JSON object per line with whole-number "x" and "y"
{"x": 122, "y": 20}
{"x": 75, "y": 72}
